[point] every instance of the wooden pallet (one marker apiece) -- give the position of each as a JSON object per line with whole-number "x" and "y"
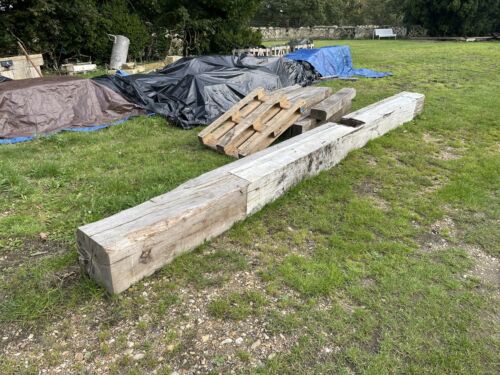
{"x": 259, "y": 119}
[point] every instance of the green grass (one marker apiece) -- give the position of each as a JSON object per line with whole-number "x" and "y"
{"x": 237, "y": 306}
{"x": 342, "y": 257}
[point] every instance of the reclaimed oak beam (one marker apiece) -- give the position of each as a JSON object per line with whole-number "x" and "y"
{"x": 333, "y": 105}
{"x": 130, "y": 245}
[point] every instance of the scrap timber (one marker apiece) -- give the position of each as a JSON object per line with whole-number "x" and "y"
{"x": 21, "y": 67}
{"x": 331, "y": 109}
{"x": 261, "y": 118}
{"x": 335, "y": 106}
{"x": 124, "y": 248}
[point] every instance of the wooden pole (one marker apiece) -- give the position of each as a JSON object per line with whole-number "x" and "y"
{"x": 37, "y": 68}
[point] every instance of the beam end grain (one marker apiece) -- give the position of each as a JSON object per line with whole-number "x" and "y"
{"x": 122, "y": 249}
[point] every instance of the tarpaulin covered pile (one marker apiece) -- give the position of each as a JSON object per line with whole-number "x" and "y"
{"x": 31, "y": 107}
{"x": 189, "y": 92}
{"x": 195, "y": 91}
{"x": 333, "y": 61}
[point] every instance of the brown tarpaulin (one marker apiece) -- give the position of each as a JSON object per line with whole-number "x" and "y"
{"x": 30, "y": 107}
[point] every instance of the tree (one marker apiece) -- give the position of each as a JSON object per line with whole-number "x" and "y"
{"x": 51, "y": 27}
{"x": 382, "y": 12}
{"x": 61, "y": 29}
{"x": 120, "y": 19}
{"x": 294, "y": 13}
{"x": 453, "y": 18}
{"x": 298, "y": 13}
{"x": 207, "y": 26}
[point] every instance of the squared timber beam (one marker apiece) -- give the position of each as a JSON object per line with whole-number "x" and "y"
{"x": 130, "y": 245}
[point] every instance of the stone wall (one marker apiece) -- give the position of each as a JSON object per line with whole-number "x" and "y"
{"x": 334, "y": 32}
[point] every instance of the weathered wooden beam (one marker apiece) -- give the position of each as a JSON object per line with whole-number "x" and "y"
{"x": 311, "y": 94}
{"x": 344, "y": 111}
{"x": 321, "y": 148}
{"x": 333, "y": 105}
{"x": 35, "y": 66}
{"x": 394, "y": 107}
{"x": 303, "y": 125}
{"x": 306, "y": 122}
{"x": 124, "y": 248}
{"x": 22, "y": 67}
{"x": 120, "y": 250}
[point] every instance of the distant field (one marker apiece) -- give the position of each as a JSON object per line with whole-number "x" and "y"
{"x": 386, "y": 264}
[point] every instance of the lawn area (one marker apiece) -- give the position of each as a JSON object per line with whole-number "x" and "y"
{"x": 385, "y": 264}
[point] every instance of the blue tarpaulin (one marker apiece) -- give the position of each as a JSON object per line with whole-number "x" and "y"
{"x": 4, "y": 141}
{"x": 333, "y": 61}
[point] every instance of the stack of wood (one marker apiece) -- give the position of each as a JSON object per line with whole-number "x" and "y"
{"x": 295, "y": 45}
{"x": 260, "y": 118}
{"x": 78, "y": 68}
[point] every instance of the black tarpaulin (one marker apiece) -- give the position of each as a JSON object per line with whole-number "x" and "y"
{"x": 195, "y": 91}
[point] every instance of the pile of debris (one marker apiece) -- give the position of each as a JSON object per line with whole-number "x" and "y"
{"x": 261, "y": 118}
{"x": 32, "y": 107}
{"x": 333, "y": 61}
{"x": 296, "y": 44}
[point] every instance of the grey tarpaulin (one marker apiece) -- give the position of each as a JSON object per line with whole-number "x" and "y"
{"x": 195, "y": 91}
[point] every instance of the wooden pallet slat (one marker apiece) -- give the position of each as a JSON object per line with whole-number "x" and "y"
{"x": 303, "y": 100}
{"x": 274, "y": 128}
{"x": 250, "y": 107}
{"x": 289, "y": 122}
{"x": 278, "y": 122}
{"x": 257, "y": 94}
{"x": 233, "y": 143}
{"x": 211, "y": 139}
{"x": 230, "y": 141}
{"x": 274, "y": 117}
